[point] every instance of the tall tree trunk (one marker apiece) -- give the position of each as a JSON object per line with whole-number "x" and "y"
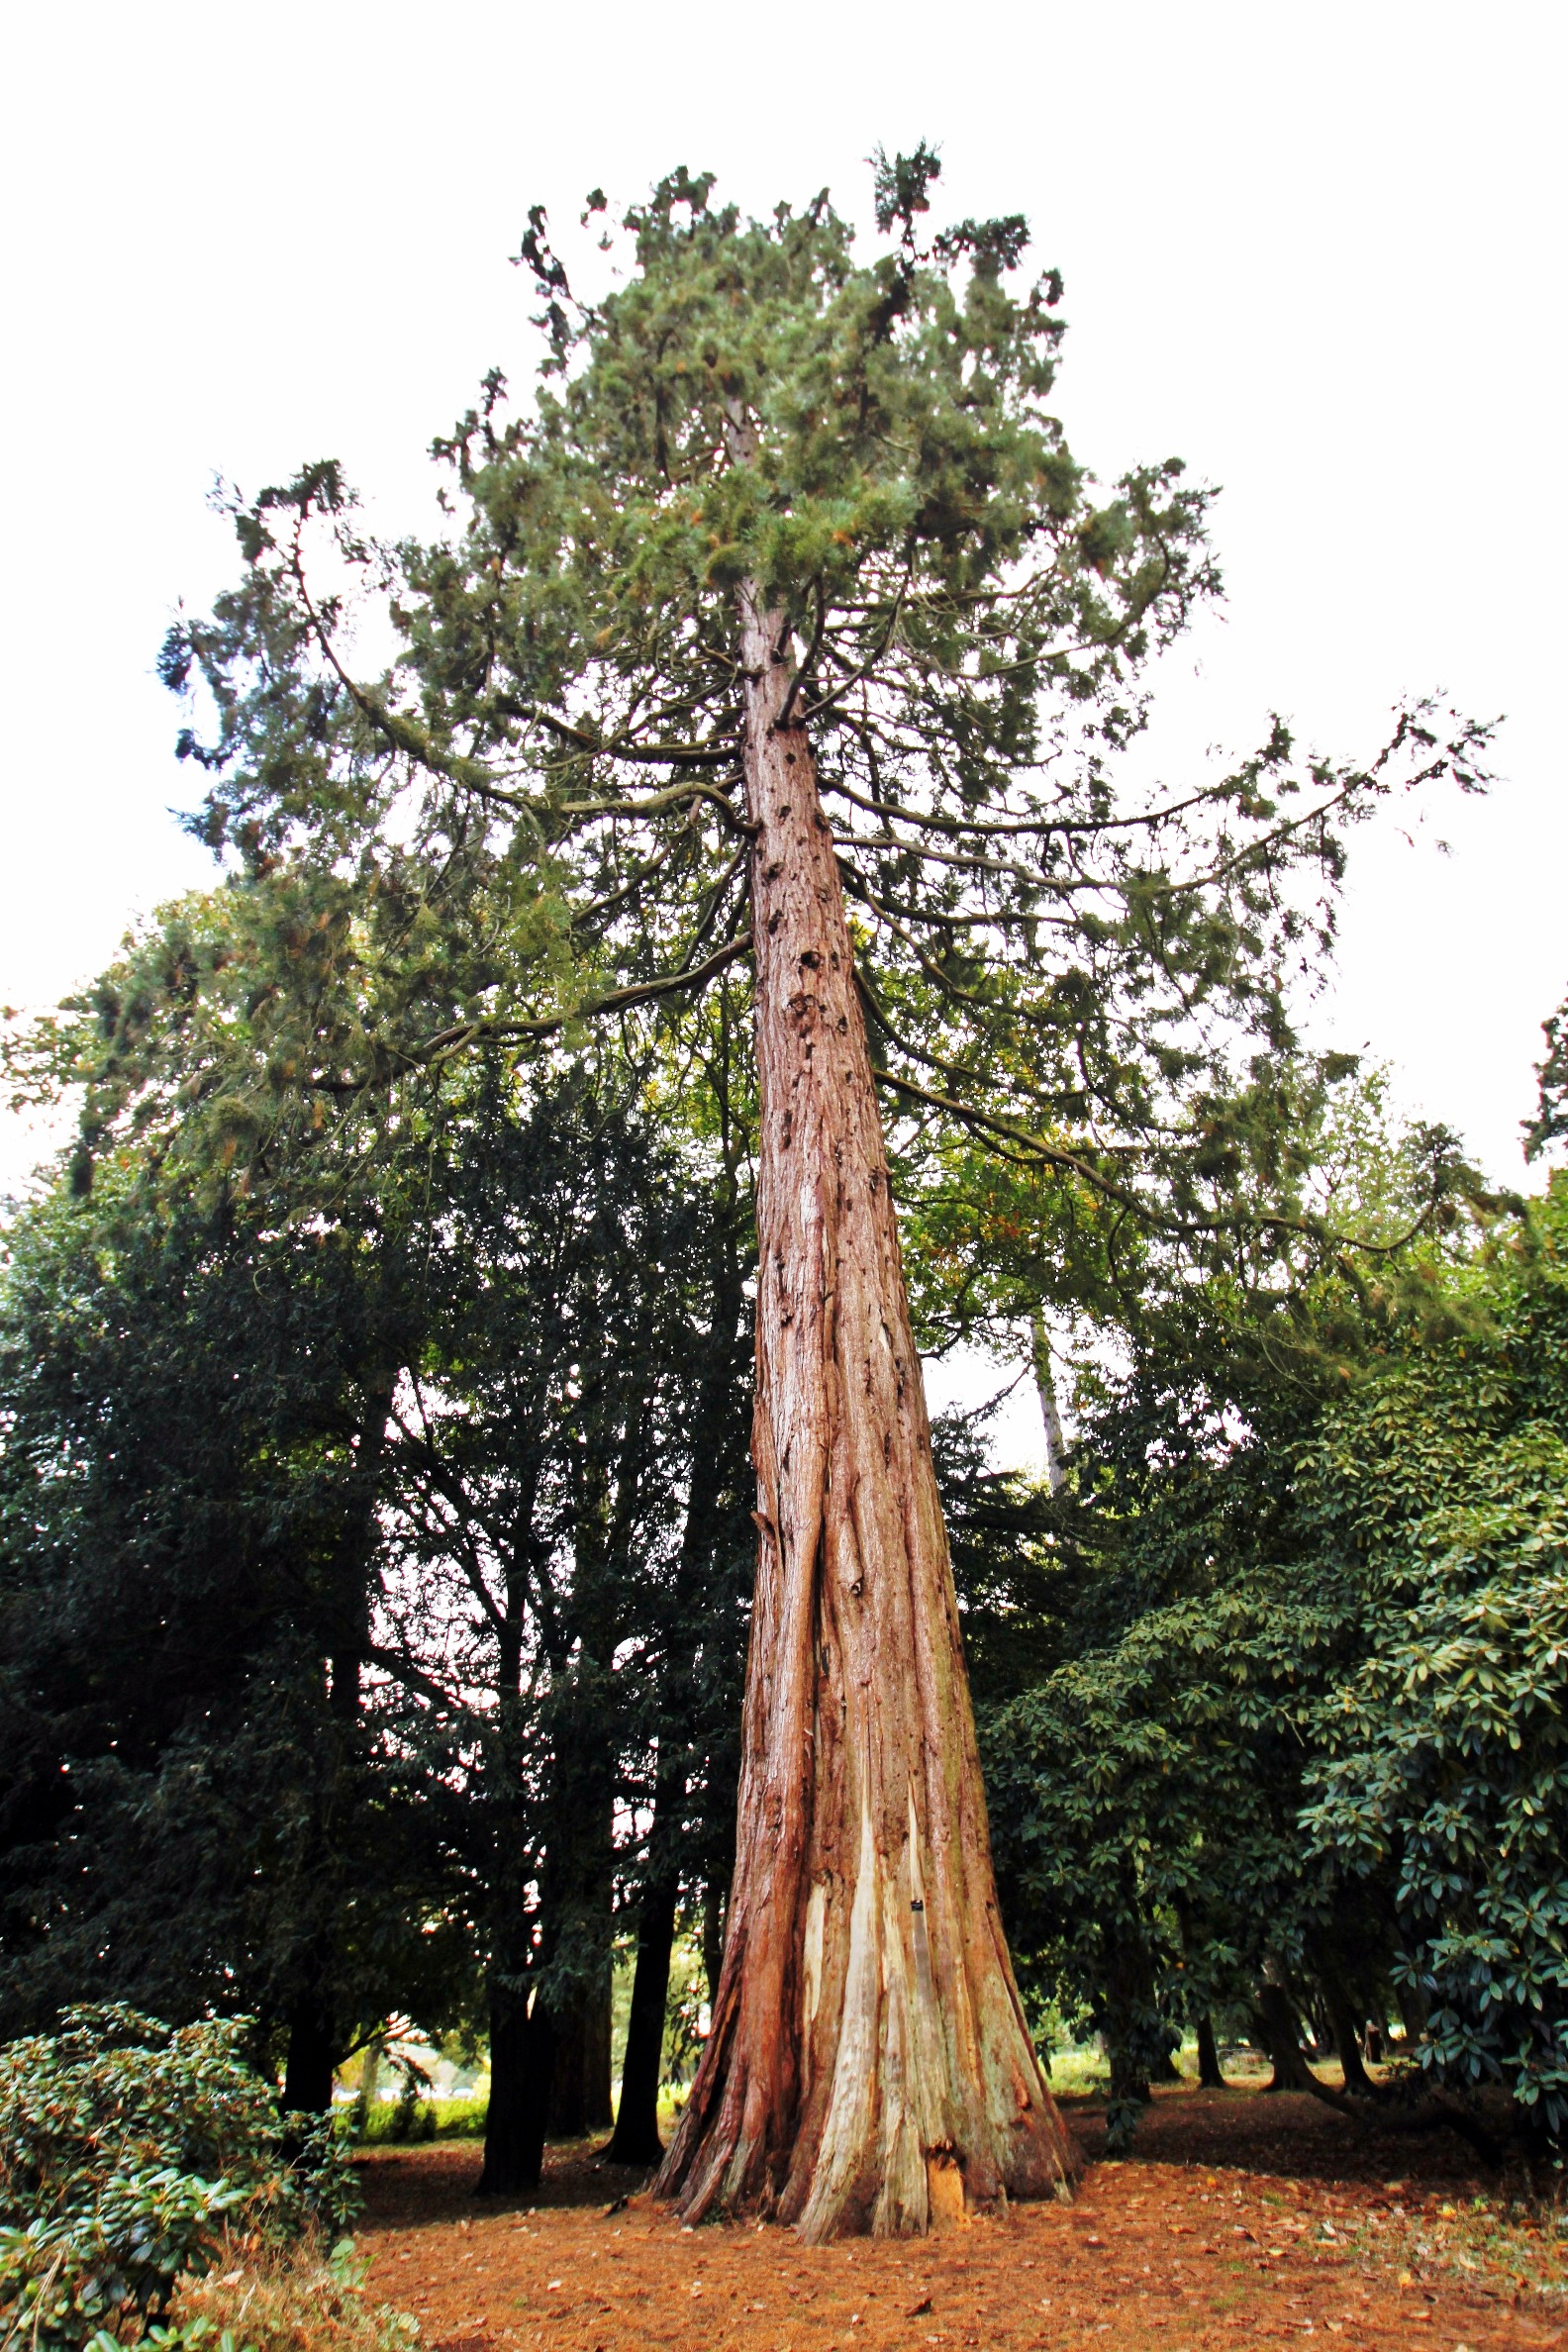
{"x": 522, "y": 2044}
{"x": 580, "y": 2100}
{"x": 315, "y": 2029}
{"x": 568, "y": 2108}
{"x": 1211, "y": 2075}
{"x": 576, "y": 1896}
{"x": 868, "y": 2064}
{"x": 598, "y": 2040}
{"x": 637, "y": 2139}
{"x": 350, "y": 1637}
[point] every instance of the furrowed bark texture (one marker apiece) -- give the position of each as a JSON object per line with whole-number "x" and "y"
{"x": 868, "y": 2066}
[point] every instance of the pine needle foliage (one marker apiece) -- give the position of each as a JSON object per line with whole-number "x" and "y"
{"x": 1053, "y": 956}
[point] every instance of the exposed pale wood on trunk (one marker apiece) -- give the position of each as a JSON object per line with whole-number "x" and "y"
{"x": 868, "y": 2065}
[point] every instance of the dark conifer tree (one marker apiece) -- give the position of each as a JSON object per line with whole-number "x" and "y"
{"x": 196, "y": 1812}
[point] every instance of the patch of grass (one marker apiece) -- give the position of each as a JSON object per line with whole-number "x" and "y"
{"x": 1079, "y": 2070}
{"x": 459, "y": 2117}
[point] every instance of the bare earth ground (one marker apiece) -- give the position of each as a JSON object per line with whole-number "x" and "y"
{"x": 1239, "y": 2219}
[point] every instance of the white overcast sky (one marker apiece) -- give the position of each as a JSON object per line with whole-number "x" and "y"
{"x": 1316, "y": 250}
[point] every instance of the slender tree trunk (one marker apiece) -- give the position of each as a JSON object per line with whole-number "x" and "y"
{"x": 637, "y": 2139}
{"x": 577, "y": 1902}
{"x": 1211, "y": 2075}
{"x": 580, "y": 2100}
{"x": 369, "y": 2086}
{"x": 521, "y": 2066}
{"x": 308, "y": 2068}
{"x": 522, "y": 2044}
{"x": 568, "y": 2109}
{"x": 598, "y": 2038}
{"x": 1281, "y": 2037}
{"x": 1347, "y": 2040}
{"x": 314, "y": 2029}
{"x": 1045, "y": 1389}
{"x": 357, "y": 1554}
{"x": 1133, "y": 2035}
{"x": 713, "y": 1940}
{"x": 868, "y": 2064}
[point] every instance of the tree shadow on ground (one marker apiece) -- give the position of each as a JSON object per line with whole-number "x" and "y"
{"x": 1281, "y": 2131}
{"x": 408, "y": 2184}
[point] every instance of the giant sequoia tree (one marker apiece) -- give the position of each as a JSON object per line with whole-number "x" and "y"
{"x": 781, "y": 623}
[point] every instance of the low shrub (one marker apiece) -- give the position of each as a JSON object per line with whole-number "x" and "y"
{"x": 452, "y": 2117}
{"x": 130, "y": 2153}
{"x": 261, "y": 2296}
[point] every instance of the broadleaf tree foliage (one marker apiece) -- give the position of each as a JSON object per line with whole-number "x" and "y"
{"x": 1297, "y": 1758}
{"x": 779, "y": 625}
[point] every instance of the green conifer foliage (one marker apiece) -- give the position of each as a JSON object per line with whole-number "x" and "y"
{"x": 1045, "y": 952}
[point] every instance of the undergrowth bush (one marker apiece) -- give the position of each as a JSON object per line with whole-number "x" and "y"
{"x": 132, "y": 2152}
{"x": 305, "y": 2297}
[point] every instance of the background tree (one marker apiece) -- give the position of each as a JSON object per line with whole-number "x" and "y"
{"x": 547, "y": 1594}
{"x": 533, "y": 1370}
{"x": 1550, "y": 1123}
{"x": 1439, "y": 1767}
{"x": 1293, "y": 1755}
{"x": 196, "y": 1810}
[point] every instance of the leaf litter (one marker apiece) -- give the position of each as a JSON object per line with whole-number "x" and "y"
{"x": 1238, "y": 2220}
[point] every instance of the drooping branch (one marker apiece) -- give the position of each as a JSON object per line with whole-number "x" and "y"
{"x": 1026, "y": 1149}
{"x": 617, "y": 999}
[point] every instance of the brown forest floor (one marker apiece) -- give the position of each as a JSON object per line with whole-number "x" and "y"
{"x": 1239, "y": 2218}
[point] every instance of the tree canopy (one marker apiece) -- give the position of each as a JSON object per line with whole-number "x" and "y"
{"x": 1065, "y": 960}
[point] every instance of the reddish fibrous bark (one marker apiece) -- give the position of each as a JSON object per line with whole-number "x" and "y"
{"x": 868, "y": 2066}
